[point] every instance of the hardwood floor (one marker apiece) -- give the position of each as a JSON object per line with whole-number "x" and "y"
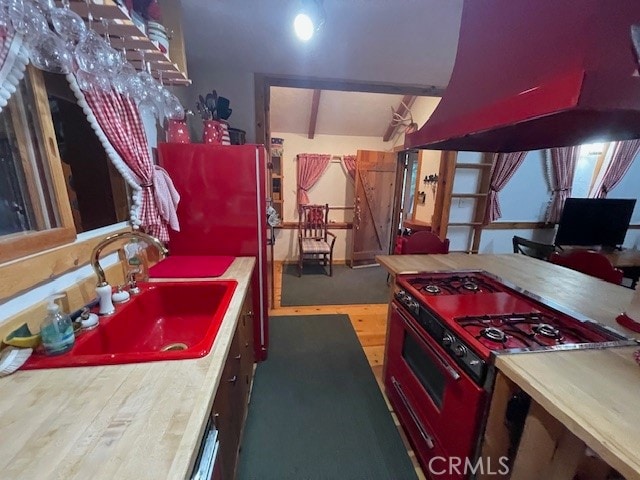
{"x": 370, "y": 324}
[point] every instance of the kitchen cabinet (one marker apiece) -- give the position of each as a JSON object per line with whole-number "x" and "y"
{"x": 160, "y": 426}
{"x": 172, "y": 20}
{"x": 230, "y": 405}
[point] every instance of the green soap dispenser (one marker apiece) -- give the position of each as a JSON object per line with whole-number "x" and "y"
{"x": 56, "y": 330}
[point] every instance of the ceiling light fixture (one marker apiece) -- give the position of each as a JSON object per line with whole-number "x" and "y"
{"x": 309, "y": 19}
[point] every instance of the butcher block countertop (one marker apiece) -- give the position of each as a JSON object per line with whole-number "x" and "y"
{"x": 134, "y": 421}
{"x": 594, "y": 393}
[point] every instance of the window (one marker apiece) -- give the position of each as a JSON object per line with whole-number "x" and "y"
{"x": 25, "y": 186}
{"x": 35, "y": 206}
{"x": 44, "y": 201}
{"x": 590, "y": 160}
{"x": 97, "y": 192}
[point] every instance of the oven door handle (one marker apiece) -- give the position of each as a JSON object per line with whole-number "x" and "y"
{"x": 443, "y": 363}
{"x": 428, "y": 439}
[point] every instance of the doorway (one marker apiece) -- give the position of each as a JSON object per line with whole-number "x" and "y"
{"x": 320, "y": 103}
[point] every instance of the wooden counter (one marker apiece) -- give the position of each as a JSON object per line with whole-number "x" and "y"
{"x": 120, "y": 422}
{"x": 594, "y": 393}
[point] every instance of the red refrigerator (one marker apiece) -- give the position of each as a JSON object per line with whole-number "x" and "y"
{"x": 222, "y": 211}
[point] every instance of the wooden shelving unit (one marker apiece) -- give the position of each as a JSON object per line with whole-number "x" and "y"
{"x": 276, "y": 188}
{"x": 124, "y": 34}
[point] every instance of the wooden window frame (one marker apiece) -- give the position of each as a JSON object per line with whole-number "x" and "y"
{"x": 22, "y": 244}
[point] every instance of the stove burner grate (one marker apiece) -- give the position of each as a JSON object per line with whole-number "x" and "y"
{"x": 494, "y": 334}
{"x": 523, "y": 330}
{"x": 454, "y": 284}
{"x": 471, "y": 286}
{"x": 547, "y": 330}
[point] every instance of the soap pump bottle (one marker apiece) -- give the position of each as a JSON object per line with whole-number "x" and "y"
{"x": 56, "y": 330}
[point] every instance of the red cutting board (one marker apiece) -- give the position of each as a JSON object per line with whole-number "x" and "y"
{"x": 184, "y": 266}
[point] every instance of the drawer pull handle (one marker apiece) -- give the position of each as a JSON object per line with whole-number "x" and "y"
{"x": 428, "y": 439}
{"x": 233, "y": 380}
{"x": 238, "y": 357}
{"x": 448, "y": 368}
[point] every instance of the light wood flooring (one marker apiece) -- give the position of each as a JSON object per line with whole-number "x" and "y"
{"x": 370, "y": 324}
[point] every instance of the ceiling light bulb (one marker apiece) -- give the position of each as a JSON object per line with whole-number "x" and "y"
{"x": 303, "y": 26}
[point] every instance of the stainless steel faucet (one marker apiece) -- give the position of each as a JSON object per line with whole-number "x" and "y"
{"x": 95, "y": 255}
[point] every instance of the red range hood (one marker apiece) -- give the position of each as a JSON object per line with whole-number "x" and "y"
{"x": 532, "y": 74}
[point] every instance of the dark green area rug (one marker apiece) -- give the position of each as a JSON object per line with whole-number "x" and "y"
{"x": 316, "y": 411}
{"x": 347, "y": 286}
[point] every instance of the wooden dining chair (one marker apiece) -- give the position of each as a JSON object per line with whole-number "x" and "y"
{"x": 533, "y": 249}
{"x": 313, "y": 235}
{"x": 589, "y": 262}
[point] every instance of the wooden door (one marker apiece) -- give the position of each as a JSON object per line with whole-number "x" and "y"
{"x": 372, "y": 218}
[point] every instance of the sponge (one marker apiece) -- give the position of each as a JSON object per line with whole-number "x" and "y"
{"x": 22, "y": 337}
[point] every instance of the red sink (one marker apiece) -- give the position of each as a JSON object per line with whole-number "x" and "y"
{"x": 165, "y": 321}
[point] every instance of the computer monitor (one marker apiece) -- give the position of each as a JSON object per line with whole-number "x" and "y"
{"x": 594, "y": 222}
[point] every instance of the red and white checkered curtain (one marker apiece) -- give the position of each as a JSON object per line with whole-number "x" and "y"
{"x": 504, "y": 166}
{"x": 563, "y": 168}
{"x": 311, "y": 166}
{"x": 349, "y": 162}
{"x": 120, "y": 121}
{"x": 623, "y": 155}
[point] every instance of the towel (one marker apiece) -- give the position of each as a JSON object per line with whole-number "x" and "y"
{"x": 167, "y": 197}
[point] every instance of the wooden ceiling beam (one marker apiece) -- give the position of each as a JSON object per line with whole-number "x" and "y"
{"x": 401, "y": 110}
{"x": 315, "y": 103}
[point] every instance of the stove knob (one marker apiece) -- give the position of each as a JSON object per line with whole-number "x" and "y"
{"x": 459, "y": 350}
{"x": 447, "y": 340}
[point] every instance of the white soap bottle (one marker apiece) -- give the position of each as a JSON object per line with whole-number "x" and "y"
{"x": 56, "y": 330}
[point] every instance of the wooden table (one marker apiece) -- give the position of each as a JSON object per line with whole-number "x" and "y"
{"x": 623, "y": 258}
{"x": 594, "y": 394}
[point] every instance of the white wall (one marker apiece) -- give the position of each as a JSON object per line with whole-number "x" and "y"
{"x": 524, "y": 199}
{"x": 335, "y": 187}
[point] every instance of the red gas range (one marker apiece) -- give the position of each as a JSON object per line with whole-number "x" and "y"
{"x": 445, "y": 330}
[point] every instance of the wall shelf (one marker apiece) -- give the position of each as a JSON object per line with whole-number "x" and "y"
{"x": 276, "y": 190}
{"x": 124, "y": 34}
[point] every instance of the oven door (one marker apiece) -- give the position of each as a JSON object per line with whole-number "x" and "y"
{"x": 440, "y": 394}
